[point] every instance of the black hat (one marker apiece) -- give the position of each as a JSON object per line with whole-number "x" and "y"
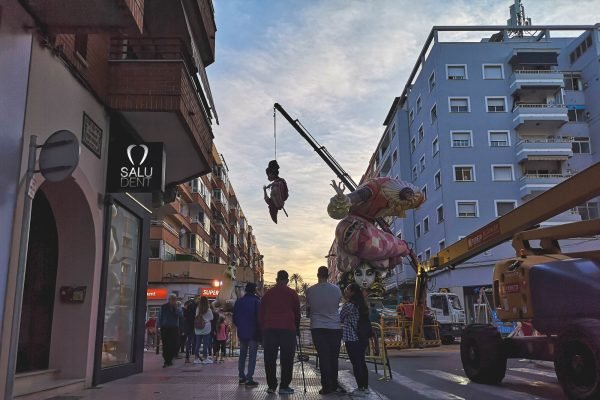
{"x": 273, "y": 168}
{"x": 323, "y": 272}
{"x": 251, "y": 287}
{"x": 282, "y": 276}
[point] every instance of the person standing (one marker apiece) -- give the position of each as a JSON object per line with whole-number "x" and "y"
{"x": 168, "y": 323}
{"x": 202, "y": 328}
{"x": 353, "y": 312}
{"x": 182, "y": 336}
{"x": 279, "y": 317}
{"x": 326, "y": 329}
{"x": 212, "y": 341}
{"x": 221, "y": 335}
{"x": 189, "y": 313}
{"x": 245, "y": 318}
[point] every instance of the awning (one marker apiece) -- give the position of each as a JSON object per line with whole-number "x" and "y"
{"x": 529, "y": 57}
{"x": 575, "y": 107}
{"x": 547, "y": 158}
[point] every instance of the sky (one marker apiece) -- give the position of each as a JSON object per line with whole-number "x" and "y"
{"x": 336, "y": 65}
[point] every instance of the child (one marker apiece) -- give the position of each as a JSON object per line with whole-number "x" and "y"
{"x": 222, "y": 333}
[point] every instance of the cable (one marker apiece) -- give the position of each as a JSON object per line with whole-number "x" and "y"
{"x": 275, "y": 130}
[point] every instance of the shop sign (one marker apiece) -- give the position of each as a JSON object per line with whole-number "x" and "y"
{"x": 138, "y": 168}
{"x": 91, "y": 136}
{"x": 211, "y": 293}
{"x": 157, "y": 293}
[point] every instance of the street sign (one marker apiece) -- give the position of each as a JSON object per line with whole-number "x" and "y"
{"x": 59, "y": 156}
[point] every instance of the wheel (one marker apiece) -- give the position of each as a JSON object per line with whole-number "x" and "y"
{"x": 448, "y": 340}
{"x": 482, "y": 355}
{"x": 577, "y": 360}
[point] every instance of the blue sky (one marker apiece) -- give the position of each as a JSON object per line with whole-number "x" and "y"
{"x": 336, "y": 65}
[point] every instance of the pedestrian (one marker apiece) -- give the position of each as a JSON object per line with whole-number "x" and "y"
{"x": 279, "y": 316}
{"x": 168, "y": 323}
{"x": 326, "y": 329}
{"x": 189, "y": 313}
{"x": 202, "y": 329}
{"x": 245, "y": 318}
{"x": 222, "y": 332}
{"x": 212, "y": 341}
{"x": 182, "y": 336}
{"x": 151, "y": 332}
{"x": 353, "y": 315}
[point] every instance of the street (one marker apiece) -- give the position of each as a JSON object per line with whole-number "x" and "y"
{"x": 438, "y": 374}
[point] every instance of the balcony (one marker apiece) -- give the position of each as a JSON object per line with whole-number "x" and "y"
{"x": 533, "y": 79}
{"x": 89, "y": 16}
{"x": 184, "y": 271}
{"x": 534, "y": 184}
{"x": 539, "y": 116}
{"x": 544, "y": 150}
{"x": 153, "y": 83}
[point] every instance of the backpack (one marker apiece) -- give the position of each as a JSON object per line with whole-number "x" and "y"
{"x": 364, "y": 328}
{"x": 199, "y": 322}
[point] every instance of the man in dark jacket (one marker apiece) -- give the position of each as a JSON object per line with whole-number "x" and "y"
{"x": 189, "y": 312}
{"x": 245, "y": 318}
{"x": 279, "y": 318}
{"x": 168, "y": 322}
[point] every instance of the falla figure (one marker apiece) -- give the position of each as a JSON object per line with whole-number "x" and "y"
{"x": 278, "y": 190}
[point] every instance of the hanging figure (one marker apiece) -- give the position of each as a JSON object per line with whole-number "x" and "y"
{"x": 358, "y": 239}
{"x": 279, "y": 190}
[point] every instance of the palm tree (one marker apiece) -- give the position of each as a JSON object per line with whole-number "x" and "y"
{"x": 304, "y": 287}
{"x": 297, "y": 279}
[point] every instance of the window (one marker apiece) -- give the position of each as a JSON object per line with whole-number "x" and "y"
{"x": 433, "y": 113}
{"x": 589, "y": 211}
{"x": 467, "y": 208}
{"x": 420, "y": 257}
{"x": 581, "y": 145}
{"x": 462, "y": 139}
{"x": 464, "y": 173}
{"x": 413, "y": 145}
{"x": 442, "y": 244}
{"x": 81, "y": 43}
{"x": 419, "y": 104}
{"x": 576, "y": 115}
{"x": 431, "y": 81}
{"x": 459, "y": 104}
{"x": 414, "y": 172}
{"x": 422, "y": 163}
{"x": 493, "y": 71}
{"x": 427, "y": 254}
{"x": 394, "y": 156}
{"x": 499, "y": 139}
{"x": 437, "y": 180}
{"x": 411, "y": 115}
{"x": 426, "y": 225}
{"x": 504, "y": 206}
{"x": 440, "y": 214}
{"x": 424, "y": 191}
{"x": 456, "y": 72}
{"x": 502, "y": 173}
{"x": 421, "y": 133}
{"x": 155, "y": 248}
{"x": 495, "y": 104}
{"x": 435, "y": 146}
{"x": 418, "y": 230}
{"x": 573, "y": 82}
{"x": 583, "y": 46}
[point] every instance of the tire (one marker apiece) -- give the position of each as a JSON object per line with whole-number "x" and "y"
{"x": 448, "y": 340}
{"x": 577, "y": 360}
{"x": 482, "y": 355}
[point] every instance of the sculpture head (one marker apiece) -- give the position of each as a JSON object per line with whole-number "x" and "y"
{"x": 230, "y": 271}
{"x": 365, "y": 275}
{"x": 272, "y": 170}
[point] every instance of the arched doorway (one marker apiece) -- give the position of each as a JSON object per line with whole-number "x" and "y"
{"x": 40, "y": 287}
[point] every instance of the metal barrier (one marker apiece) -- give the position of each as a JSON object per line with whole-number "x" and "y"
{"x": 376, "y": 350}
{"x": 396, "y": 333}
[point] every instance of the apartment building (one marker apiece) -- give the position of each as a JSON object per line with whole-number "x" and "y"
{"x": 194, "y": 238}
{"x": 482, "y": 127}
{"x": 128, "y": 79}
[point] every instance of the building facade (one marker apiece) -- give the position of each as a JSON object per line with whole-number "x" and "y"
{"x": 117, "y": 74}
{"x": 482, "y": 127}
{"x": 197, "y": 236}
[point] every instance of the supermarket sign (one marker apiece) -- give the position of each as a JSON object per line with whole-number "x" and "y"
{"x": 211, "y": 293}
{"x": 157, "y": 293}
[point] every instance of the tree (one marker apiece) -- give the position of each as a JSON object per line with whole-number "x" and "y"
{"x": 296, "y": 279}
{"x": 304, "y": 287}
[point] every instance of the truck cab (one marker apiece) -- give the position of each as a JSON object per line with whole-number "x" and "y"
{"x": 449, "y": 313}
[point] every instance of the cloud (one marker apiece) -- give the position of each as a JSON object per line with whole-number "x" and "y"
{"x": 336, "y": 65}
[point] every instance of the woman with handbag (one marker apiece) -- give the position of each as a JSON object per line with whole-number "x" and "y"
{"x": 202, "y": 329}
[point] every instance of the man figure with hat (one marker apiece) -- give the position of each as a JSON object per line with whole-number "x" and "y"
{"x": 280, "y": 320}
{"x": 326, "y": 329}
{"x": 245, "y": 318}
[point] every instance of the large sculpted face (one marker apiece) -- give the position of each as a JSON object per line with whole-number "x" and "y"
{"x": 365, "y": 275}
{"x": 230, "y": 271}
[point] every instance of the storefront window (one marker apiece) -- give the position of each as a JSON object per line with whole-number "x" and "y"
{"x": 121, "y": 281}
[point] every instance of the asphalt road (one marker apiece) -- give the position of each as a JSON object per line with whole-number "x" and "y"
{"x": 437, "y": 374}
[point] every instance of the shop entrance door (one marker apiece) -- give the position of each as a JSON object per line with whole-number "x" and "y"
{"x": 40, "y": 287}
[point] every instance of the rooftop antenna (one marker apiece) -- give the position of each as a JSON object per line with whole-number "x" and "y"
{"x": 517, "y": 17}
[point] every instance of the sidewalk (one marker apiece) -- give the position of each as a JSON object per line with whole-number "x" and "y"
{"x": 188, "y": 381}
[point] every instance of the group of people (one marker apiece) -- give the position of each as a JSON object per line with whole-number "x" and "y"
{"x": 274, "y": 321}
{"x": 190, "y": 328}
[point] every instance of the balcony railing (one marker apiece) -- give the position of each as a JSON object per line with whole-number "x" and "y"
{"x": 527, "y": 106}
{"x": 552, "y": 115}
{"x": 527, "y": 177}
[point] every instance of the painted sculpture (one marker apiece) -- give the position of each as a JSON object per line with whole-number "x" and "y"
{"x": 228, "y": 293}
{"x": 367, "y": 277}
{"x": 278, "y": 188}
{"x": 358, "y": 239}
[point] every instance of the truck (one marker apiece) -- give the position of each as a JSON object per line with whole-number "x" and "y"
{"x": 449, "y": 314}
